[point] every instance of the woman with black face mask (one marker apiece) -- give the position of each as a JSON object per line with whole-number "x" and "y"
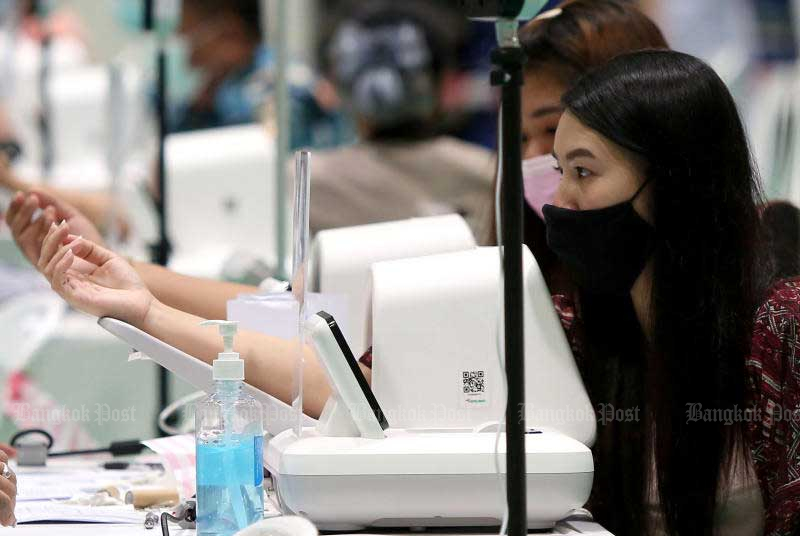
{"x": 656, "y": 220}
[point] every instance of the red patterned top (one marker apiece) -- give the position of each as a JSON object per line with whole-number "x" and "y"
{"x": 773, "y": 391}
{"x": 773, "y": 384}
{"x": 773, "y": 381}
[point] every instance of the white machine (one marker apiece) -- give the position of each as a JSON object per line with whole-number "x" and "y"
{"x": 342, "y": 259}
{"x": 220, "y": 200}
{"x": 436, "y": 335}
{"x": 81, "y": 122}
{"x": 348, "y": 473}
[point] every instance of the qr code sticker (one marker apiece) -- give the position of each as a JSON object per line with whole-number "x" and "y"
{"x": 473, "y": 381}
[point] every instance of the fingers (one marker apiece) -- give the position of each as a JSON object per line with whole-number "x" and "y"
{"x": 23, "y": 216}
{"x": 3, "y": 453}
{"x": 62, "y": 253}
{"x": 59, "y": 280}
{"x": 54, "y": 238}
{"x": 8, "y": 496}
{"x": 7, "y": 504}
{"x": 64, "y": 210}
{"x": 31, "y": 237}
{"x": 14, "y": 206}
{"x": 90, "y": 252}
{"x": 11, "y": 479}
{"x": 8, "y": 450}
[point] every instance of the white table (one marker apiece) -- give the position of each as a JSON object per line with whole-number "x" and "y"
{"x": 572, "y": 528}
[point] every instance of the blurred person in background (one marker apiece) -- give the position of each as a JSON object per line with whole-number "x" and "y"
{"x": 386, "y": 62}
{"x": 225, "y": 76}
{"x": 402, "y": 168}
{"x": 224, "y": 61}
{"x": 220, "y": 74}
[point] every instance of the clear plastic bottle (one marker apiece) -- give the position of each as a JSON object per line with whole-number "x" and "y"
{"x": 229, "y": 439}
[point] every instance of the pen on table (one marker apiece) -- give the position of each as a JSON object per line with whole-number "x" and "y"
{"x": 121, "y": 466}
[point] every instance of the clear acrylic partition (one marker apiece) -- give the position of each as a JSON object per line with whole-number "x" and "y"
{"x": 302, "y": 181}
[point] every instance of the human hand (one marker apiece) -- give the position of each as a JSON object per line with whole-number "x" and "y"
{"x": 8, "y": 492}
{"x": 8, "y": 180}
{"x": 10, "y": 451}
{"x": 29, "y": 233}
{"x": 92, "y": 278}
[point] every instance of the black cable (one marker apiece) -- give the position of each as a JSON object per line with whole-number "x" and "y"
{"x": 116, "y": 448}
{"x": 23, "y": 433}
{"x": 166, "y": 517}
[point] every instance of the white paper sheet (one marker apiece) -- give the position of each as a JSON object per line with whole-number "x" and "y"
{"x": 46, "y": 485}
{"x": 39, "y": 511}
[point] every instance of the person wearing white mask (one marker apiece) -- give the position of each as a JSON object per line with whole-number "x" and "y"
{"x": 561, "y": 45}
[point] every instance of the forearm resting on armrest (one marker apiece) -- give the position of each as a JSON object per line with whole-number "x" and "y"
{"x": 205, "y": 298}
{"x": 269, "y": 361}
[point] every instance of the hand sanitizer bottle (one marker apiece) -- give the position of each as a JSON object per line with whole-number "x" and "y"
{"x": 229, "y": 442}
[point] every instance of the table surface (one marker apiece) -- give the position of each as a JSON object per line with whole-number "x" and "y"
{"x": 570, "y": 528}
{"x": 573, "y": 526}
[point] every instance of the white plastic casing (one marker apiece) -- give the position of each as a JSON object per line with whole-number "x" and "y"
{"x": 342, "y": 259}
{"x": 228, "y": 365}
{"x": 423, "y": 479}
{"x": 437, "y": 317}
{"x": 221, "y": 197}
{"x": 346, "y": 389}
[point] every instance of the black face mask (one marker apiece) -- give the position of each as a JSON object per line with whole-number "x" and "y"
{"x": 605, "y": 249}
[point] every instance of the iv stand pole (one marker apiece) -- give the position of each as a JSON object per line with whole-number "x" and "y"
{"x": 508, "y": 59}
{"x": 45, "y": 74}
{"x": 160, "y": 251}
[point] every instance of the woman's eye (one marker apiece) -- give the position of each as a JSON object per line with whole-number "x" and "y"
{"x": 582, "y": 172}
{"x": 551, "y": 131}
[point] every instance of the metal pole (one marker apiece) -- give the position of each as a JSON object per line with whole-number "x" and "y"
{"x": 280, "y": 46}
{"x": 46, "y": 111}
{"x": 509, "y": 59}
{"x": 161, "y": 250}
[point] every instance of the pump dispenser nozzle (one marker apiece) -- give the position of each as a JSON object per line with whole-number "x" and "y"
{"x": 228, "y": 365}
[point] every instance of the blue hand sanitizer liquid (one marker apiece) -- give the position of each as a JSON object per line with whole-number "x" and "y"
{"x": 229, "y": 443}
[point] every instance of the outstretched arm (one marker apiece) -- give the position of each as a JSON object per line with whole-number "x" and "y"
{"x": 97, "y": 206}
{"x": 199, "y": 296}
{"x": 95, "y": 280}
{"x": 202, "y": 297}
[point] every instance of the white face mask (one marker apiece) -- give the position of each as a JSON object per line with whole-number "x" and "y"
{"x": 540, "y": 180}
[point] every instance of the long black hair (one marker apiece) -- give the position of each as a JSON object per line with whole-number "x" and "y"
{"x": 673, "y": 111}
